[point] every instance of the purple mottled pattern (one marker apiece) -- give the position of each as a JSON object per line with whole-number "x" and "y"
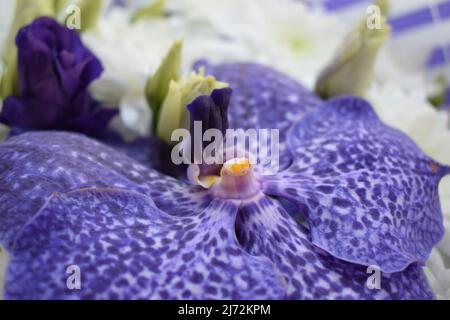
{"x": 34, "y": 165}
{"x": 357, "y": 191}
{"x": 55, "y": 70}
{"x": 369, "y": 194}
{"x": 55, "y": 224}
{"x": 265, "y": 229}
{"x": 126, "y": 248}
{"x": 150, "y": 151}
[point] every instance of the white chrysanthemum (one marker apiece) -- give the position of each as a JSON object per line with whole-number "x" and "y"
{"x": 6, "y": 15}
{"x": 130, "y": 53}
{"x": 285, "y": 36}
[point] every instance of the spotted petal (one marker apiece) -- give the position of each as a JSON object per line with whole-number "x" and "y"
{"x": 34, "y": 165}
{"x": 266, "y": 229}
{"x": 150, "y": 151}
{"x": 369, "y": 193}
{"x": 125, "y": 248}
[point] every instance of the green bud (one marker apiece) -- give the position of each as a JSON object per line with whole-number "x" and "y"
{"x": 437, "y": 99}
{"x": 59, "y": 5}
{"x": 156, "y": 8}
{"x": 4, "y": 130}
{"x": 174, "y": 114}
{"x": 26, "y": 11}
{"x": 90, "y": 11}
{"x": 158, "y": 85}
{"x": 384, "y": 6}
{"x": 351, "y": 70}
{"x": 9, "y": 81}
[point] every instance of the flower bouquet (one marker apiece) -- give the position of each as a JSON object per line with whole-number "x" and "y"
{"x": 205, "y": 150}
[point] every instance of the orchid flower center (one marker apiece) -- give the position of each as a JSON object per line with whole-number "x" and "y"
{"x": 234, "y": 180}
{"x": 226, "y": 174}
{"x": 236, "y": 167}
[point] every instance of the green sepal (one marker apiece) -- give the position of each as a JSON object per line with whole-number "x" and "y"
{"x": 174, "y": 114}
{"x": 156, "y": 8}
{"x": 351, "y": 70}
{"x": 25, "y": 12}
{"x": 157, "y": 85}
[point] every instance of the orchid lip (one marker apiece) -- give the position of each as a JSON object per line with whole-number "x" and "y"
{"x": 237, "y": 180}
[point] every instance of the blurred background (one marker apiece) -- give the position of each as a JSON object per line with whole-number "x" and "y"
{"x": 420, "y": 31}
{"x": 420, "y": 40}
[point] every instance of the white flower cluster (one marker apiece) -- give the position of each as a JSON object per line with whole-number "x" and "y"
{"x": 284, "y": 35}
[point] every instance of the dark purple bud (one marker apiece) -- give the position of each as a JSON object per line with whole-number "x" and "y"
{"x": 55, "y": 70}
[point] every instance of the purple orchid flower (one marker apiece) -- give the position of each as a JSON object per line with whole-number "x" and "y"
{"x": 55, "y": 70}
{"x": 368, "y": 196}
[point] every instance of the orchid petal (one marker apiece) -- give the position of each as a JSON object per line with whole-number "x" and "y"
{"x": 370, "y": 195}
{"x": 266, "y": 229}
{"x": 149, "y": 151}
{"x": 125, "y": 248}
{"x": 34, "y": 165}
